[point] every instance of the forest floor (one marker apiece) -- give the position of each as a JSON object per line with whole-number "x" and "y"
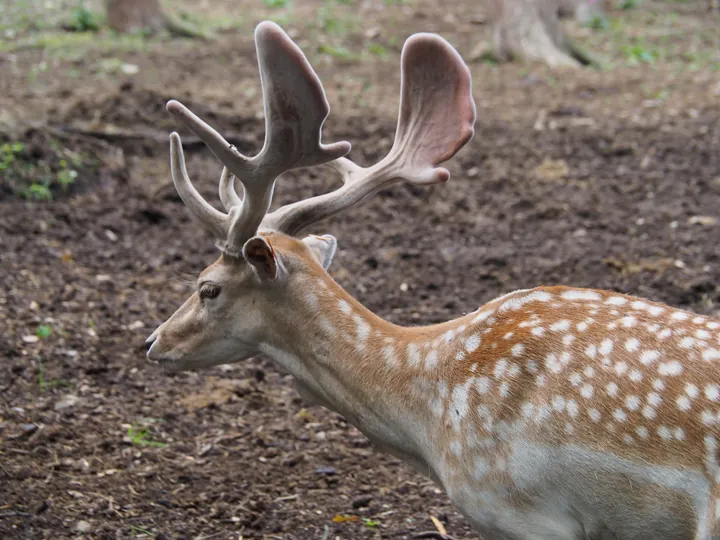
{"x": 594, "y": 178}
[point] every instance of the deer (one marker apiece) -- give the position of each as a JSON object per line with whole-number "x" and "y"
{"x": 548, "y": 413}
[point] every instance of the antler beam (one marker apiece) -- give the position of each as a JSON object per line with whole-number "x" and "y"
{"x": 437, "y": 115}
{"x": 295, "y": 110}
{"x": 436, "y": 120}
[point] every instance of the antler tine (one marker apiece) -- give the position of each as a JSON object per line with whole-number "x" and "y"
{"x": 213, "y": 219}
{"x": 295, "y": 111}
{"x": 436, "y": 119}
{"x": 228, "y": 195}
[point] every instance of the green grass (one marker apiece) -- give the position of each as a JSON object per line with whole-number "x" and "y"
{"x": 639, "y": 54}
{"x": 83, "y": 20}
{"x": 141, "y": 436}
{"x": 38, "y": 178}
{"x": 43, "y": 382}
{"x": 141, "y": 531}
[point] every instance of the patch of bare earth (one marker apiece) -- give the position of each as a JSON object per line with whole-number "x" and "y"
{"x": 599, "y": 179}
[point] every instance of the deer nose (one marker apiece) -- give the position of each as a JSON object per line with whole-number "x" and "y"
{"x": 150, "y": 340}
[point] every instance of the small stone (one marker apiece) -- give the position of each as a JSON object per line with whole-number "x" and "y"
{"x": 703, "y": 220}
{"x": 111, "y": 235}
{"x": 137, "y": 325}
{"x": 67, "y": 401}
{"x": 129, "y": 69}
{"x": 361, "y": 502}
{"x": 326, "y": 470}
{"x": 28, "y": 428}
{"x": 83, "y": 526}
{"x": 30, "y": 339}
{"x": 404, "y": 287}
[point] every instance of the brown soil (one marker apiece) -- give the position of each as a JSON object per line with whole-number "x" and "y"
{"x": 578, "y": 178}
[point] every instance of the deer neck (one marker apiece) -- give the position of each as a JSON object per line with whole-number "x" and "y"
{"x": 383, "y": 378}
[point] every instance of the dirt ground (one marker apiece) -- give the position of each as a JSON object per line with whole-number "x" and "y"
{"x": 607, "y": 179}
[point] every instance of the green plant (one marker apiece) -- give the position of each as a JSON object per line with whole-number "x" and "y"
{"x": 37, "y": 192}
{"x": 66, "y": 176}
{"x": 629, "y": 4}
{"x": 9, "y": 153}
{"x": 377, "y": 49}
{"x": 83, "y": 20}
{"x": 142, "y": 531}
{"x": 637, "y": 53}
{"x": 141, "y": 436}
{"x": 43, "y": 331}
{"x": 43, "y": 382}
{"x": 598, "y": 22}
{"x": 275, "y": 3}
{"x": 335, "y": 52}
{"x": 37, "y": 179}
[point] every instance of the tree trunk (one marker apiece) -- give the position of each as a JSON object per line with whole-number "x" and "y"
{"x": 135, "y": 15}
{"x": 582, "y": 10}
{"x": 531, "y": 30}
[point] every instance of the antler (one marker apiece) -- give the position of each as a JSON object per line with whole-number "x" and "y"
{"x": 436, "y": 119}
{"x": 437, "y": 115}
{"x": 295, "y": 110}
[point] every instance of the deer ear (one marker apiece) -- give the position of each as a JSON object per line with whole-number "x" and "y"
{"x": 322, "y": 247}
{"x": 261, "y": 255}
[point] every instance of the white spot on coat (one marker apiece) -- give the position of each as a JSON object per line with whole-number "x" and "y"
{"x": 413, "y": 355}
{"x": 560, "y": 326}
{"x": 581, "y": 295}
{"x": 672, "y": 367}
{"x": 632, "y": 345}
{"x": 632, "y": 403}
{"x": 712, "y": 392}
{"x": 472, "y": 343}
{"x": 482, "y": 385}
{"x": 683, "y": 403}
{"x": 431, "y": 359}
{"x": 552, "y": 363}
{"x": 520, "y": 301}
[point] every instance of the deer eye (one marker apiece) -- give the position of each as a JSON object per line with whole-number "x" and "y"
{"x": 208, "y": 290}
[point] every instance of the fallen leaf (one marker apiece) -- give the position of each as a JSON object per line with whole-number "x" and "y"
{"x": 703, "y": 220}
{"x": 552, "y": 169}
{"x": 342, "y": 518}
{"x": 439, "y": 526}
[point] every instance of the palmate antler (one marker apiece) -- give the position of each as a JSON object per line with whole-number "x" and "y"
{"x": 436, "y": 119}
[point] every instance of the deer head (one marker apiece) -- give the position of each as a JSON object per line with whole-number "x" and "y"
{"x": 263, "y": 279}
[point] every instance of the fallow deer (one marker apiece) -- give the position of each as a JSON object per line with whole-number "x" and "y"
{"x": 548, "y": 413}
